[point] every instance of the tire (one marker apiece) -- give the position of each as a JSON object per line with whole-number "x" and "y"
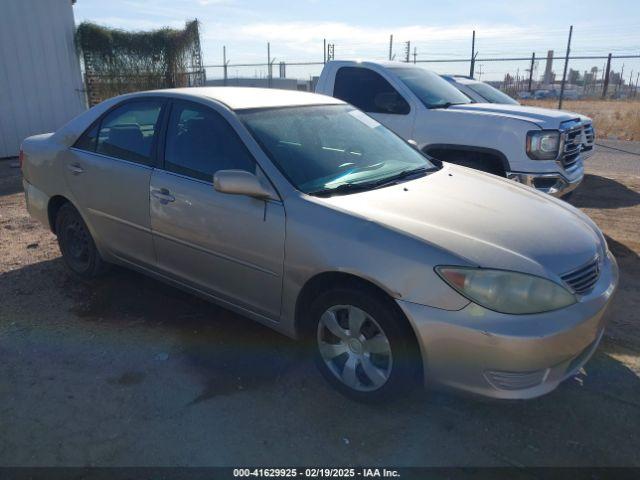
{"x": 377, "y": 363}
{"x": 76, "y": 244}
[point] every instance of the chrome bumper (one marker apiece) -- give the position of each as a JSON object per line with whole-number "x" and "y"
{"x": 511, "y": 356}
{"x": 556, "y": 184}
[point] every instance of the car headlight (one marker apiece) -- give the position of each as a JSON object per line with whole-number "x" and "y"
{"x": 543, "y": 144}
{"x": 507, "y": 292}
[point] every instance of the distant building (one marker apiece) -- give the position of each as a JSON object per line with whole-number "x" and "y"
{"x": 549, "y": 77}
{"x": 41, "y": 85}
{"x": 573, "y": 77}
{"x": 282, "y": 83}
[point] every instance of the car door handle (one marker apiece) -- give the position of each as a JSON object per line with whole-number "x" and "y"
{"x": 163, "y": 195}
{"x": 75, "y": 168}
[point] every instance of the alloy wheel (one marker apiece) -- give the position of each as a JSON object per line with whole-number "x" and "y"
{"x": 354, "y": 347}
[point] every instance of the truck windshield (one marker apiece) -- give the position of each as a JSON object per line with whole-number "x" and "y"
{"x": 432, "y": 90}
{"x": 492, "y": 95}
{"x": 327, "y": 149}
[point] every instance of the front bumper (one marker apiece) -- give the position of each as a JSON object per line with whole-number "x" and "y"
{"x": 556, "y": 184}
{"x": 504, "y": 356}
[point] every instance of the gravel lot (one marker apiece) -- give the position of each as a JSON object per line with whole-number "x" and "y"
{"x": 128, "y": 371}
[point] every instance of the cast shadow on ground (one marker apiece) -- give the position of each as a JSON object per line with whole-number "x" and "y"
{"x": 601, "y": 192}
{"x": 232, "y": 355}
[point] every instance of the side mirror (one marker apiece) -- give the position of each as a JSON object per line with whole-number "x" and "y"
{"x": 239, "y": 182}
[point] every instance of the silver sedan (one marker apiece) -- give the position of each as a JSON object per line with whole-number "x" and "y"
{"x": 308, "y": 216}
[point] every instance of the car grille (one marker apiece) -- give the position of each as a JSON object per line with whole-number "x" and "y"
{"x": 584, "y": 278}
{"x": 588, "y": 137}
{"x": 572, "y": 147}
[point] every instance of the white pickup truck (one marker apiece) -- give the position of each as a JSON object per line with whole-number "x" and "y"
{"x": 539, "y": 147}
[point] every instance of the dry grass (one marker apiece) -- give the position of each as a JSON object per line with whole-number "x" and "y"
{"x": 612, "y": 118}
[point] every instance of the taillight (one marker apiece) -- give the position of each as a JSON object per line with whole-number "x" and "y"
{"x": 21, "y": 158}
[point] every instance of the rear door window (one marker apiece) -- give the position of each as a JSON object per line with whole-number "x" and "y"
{"x": 88, "y": 139}
{"x": 129, "y": 131}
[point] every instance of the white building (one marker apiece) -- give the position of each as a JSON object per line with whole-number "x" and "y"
{"x": 41, "y": 85}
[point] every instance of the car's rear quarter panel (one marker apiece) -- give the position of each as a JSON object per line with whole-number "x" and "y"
{"x": 43, "y": 173}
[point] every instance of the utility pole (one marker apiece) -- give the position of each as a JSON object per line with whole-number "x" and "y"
{"x": 621, "y": 79}
{"x": 566, "y": 64}
{"x": 533, "y": 61}
{"x": 415, "y": 54}
{"x": 607, "y": 70}
{"x": 269, "y": 72}
{"x": 391, "y": 47}
{"x": 473, "y": 54}
{"x": 407, "y": 51}
{"x": 224, "y": 65}
{"x": 324, "y": 51}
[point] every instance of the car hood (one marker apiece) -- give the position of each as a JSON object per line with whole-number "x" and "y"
{"x": 483, "y": 220}
{"x": 543, "y": 117}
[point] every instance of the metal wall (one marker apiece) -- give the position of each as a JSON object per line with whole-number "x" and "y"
{"x": 40, "y": 81}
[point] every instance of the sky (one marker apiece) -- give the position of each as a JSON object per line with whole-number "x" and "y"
{"x": 361, "y": 29}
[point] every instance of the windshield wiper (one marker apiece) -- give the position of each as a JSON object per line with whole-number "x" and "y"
{"x": 445, "y": 105}
{"x": 343, "y": 188}
{"x": 402, "y": 175}
{"x": 359, "y": 187}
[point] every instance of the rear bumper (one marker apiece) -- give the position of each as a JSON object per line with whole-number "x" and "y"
{"x": 556, "y": 184}
{"x": 37, "y": 203}
{"x": 511, "y": 356}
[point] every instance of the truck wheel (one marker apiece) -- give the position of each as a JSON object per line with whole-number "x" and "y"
{"x": 78, "y": 249}
{"x": 476, "y": 160}
{"x": 361, "y": 345}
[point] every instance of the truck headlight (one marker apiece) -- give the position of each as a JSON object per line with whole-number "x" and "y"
{"x": 507, "y": 292}
{"x": 543, "y": 144}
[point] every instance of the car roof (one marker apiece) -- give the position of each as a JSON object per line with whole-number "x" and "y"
{"x": 240, "y": 98}
{"x": 462, "y": 79}
{"x": 383, "y": 63}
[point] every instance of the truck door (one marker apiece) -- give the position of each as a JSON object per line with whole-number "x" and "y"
{"x": 372, "y": 93}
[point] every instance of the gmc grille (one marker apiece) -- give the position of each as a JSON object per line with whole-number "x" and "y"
{"x": 588, "y": 137}
{"x": 572, "y": 147}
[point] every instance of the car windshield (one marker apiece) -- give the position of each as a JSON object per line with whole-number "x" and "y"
{"x": 432, "y": 90}
{"x": 492, "y": 95}
{"x": 333, "y": 148}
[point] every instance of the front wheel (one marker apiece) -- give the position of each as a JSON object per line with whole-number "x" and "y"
{"x": 362, "y": 345}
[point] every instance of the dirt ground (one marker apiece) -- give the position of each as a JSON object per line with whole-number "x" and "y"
{"x": 128, "y": 371}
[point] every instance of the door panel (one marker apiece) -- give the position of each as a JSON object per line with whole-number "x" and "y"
{"x": 113, "y": 196}
{"x": 229, "y": 245}
{"x": 400, "y": 124}
{"x": 109, "y": 170}
{"x": 375, "y": 95}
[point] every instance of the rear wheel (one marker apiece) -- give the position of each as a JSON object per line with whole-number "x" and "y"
{"x": 361, "y": 345}
{"x": 78, "y": 249}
